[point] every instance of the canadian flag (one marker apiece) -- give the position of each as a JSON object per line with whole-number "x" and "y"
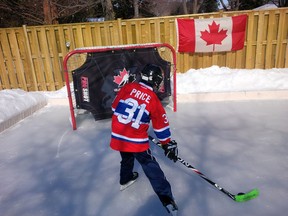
{"x": 211, "y": 35}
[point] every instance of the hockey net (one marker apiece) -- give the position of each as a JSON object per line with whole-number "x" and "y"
{"x": 93, "y": 75}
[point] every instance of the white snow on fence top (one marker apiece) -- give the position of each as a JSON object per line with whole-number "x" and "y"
{"x": 266, "y": 7}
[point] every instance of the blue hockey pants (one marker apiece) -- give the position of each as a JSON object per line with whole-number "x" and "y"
{"x": 151, "y": 169}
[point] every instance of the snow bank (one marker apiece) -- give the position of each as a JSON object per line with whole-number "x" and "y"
{"x": 17, "y": 104}
{"x": 222, "y": 79}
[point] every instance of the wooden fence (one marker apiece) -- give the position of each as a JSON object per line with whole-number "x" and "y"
{"x": 31, "y": 56}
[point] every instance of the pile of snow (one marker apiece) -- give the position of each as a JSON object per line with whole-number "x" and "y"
{"x": 266, "y": 7}
{"x": 223, "y": 79}
{"x": 17, "y": 104}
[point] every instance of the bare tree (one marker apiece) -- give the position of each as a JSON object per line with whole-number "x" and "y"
{"x": 67, "y": 8}
{"x": 184, "y": 4}
{"x": 193, "y": 6}
{"x": 50, "y": 12}
{"x": 234, "y": 4}
{"x": 136, "y": 8}
{"x": 163, "y": 7}
{"x": 22, "y": 11}
{"x": 283, "y": 3}
{"x": 108, "y": 10}
{"x": 39, "y": 12}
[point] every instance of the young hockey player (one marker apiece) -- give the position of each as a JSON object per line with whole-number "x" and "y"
{"x": 135, "y": 105}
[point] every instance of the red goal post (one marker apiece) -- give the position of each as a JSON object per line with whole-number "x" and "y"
{"x": 92, "y": 75}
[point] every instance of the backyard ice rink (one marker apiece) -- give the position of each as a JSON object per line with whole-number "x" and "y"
{"x": 48, "y": 169}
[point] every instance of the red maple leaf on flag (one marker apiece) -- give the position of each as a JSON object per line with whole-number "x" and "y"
{"x": 214, "y": 36}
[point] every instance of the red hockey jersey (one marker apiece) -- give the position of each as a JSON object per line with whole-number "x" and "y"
{"x": 134, "y": 106}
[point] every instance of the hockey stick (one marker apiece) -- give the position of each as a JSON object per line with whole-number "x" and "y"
{"x": 240, "y": 197}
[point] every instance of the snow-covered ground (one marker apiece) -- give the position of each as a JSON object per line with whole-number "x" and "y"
{"x": 223, "y": 79}
{"x": 46, "y": 168}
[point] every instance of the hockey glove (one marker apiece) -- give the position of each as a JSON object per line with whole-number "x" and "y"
{"x": 171, "y": 150}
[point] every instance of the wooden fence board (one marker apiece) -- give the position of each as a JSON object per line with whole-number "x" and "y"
{"x": 19, "y": 70}
{"x": 9, "y": 60}
{"x": 4, "y": 79}
{"x": 37, "y": 60}
{"x": 119, "y": 31}
{"x": 88, "y": 36}
{"x": 259, "y": 40}
{"x": 269, "y": 41}
{"x": 98, "y": 41}
{"x": 62, "y": 42}
{"x": 128, "y": 27}
{"x": 249, "y": 41}
{"x": 47, "y": 59}
{"x": 56, "y": 68}
{"x": 29, "y": 59}
{"x": 282, "y": 35}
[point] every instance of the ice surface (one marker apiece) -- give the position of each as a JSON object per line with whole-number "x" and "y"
{"x": 49, "y": 169}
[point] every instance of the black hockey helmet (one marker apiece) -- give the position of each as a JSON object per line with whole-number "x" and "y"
{"x": 152, "y": 75}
